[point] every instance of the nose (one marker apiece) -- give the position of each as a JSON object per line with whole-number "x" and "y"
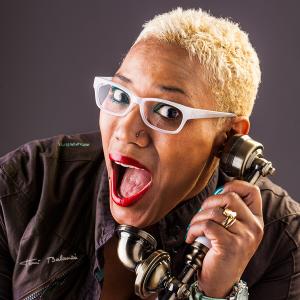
{"x": 129, "y": 127}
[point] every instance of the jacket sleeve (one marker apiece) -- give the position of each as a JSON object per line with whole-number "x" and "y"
{"x": 282, "y": 278}
{"x": 6, "y": 262}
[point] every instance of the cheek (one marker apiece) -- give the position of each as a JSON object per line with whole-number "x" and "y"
{"x": 193, "y": 145}
{"x": 104, "y": 123}
{"x": 185, "y": 155}
{"x": 106, "y": 126}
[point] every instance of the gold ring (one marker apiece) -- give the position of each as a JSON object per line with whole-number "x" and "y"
{"x": 230, "y": 218}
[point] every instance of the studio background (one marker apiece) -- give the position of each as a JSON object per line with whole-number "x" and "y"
{"x": 51, "y": 50}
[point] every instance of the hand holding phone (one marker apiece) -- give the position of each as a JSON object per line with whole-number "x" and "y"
{"x": 232, "y": 247}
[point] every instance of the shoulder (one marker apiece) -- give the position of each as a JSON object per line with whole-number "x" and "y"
{"x": 20, "y": 167}
{"x": 85, "y": 145}
{"x": 279, "y": 207}
{"x": 276, "y": 255}
{"x": 281, "y": 216}
{"x": 44, "y": 178}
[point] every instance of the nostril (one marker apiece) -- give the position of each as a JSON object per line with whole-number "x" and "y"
{"x": 139, "y": 133}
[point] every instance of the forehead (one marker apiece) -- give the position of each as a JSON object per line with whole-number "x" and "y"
{"x": 161, "y": 58}
{"x": 152, "y": 63}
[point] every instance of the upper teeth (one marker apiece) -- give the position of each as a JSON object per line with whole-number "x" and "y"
{"x": 126, "y": 166}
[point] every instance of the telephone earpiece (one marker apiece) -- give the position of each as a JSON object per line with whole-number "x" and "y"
{"x": 242, "y": 158}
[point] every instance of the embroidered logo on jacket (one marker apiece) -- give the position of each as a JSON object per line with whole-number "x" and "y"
{"x": 49, "y": 259}
{"x": 73, "y": 144}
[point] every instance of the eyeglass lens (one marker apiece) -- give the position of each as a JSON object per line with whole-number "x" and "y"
{"x": 161, "y": 115}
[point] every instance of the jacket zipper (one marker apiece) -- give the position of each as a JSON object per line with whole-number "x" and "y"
{"x": 53, "y": 282}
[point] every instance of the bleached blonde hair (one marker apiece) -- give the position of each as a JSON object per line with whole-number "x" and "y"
{"x": 230, "y": 63}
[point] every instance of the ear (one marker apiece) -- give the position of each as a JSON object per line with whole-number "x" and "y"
{"x": 240, "y": 125}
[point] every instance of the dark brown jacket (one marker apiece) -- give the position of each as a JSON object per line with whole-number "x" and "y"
{"x": 55, "y": 219}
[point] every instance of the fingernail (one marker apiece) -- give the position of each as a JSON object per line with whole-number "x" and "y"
{"x": 188, "y": 227}
{"x": 187, "y": 230}
{"x": 219, "y": 190}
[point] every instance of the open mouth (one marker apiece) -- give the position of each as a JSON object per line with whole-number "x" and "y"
{"x": 130, "y": 180}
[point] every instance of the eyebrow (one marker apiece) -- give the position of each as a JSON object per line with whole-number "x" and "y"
{"x": 123, "y": 78}
{"x": 172, "y": 89}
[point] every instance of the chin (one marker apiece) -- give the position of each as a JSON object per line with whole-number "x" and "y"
{"x": 131, "y": 216}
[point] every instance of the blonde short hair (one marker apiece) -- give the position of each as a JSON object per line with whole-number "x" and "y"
{"x": 230, "y": 62}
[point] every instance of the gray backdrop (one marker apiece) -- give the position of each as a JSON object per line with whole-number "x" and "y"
{"x": 51, "y": 50}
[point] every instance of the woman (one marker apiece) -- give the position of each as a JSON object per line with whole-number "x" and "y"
{"x": 161, "y": 166}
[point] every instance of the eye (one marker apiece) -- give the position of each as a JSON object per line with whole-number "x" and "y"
{"x": 117, "y": 95}
{"x": 167, "y": 111}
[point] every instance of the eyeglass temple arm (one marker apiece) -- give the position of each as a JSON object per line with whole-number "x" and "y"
{"x": 211, "y": 114}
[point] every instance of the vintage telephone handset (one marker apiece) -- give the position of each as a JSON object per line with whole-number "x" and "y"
{"x": 241, "y": 158}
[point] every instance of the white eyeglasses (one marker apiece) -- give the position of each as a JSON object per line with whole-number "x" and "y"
{"x": 162, "y": 115}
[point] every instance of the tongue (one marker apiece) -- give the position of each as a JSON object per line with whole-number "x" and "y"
{"x": 133, "y": 181}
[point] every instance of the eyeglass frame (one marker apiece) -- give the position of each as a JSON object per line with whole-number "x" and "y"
{"x": 188, "y": 113}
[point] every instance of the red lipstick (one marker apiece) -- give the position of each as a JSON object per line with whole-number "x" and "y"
{"x": 116, "y": 197}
